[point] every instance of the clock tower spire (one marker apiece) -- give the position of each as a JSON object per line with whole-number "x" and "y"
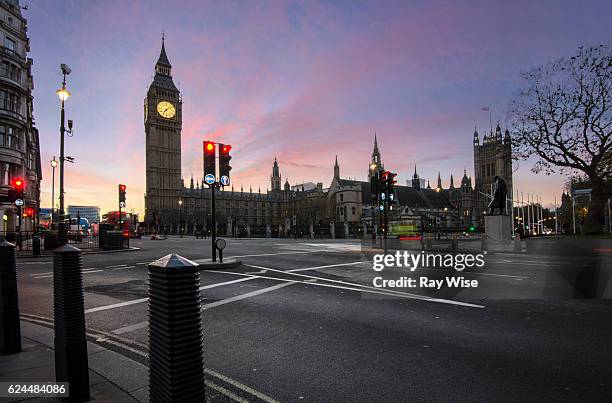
{"x": 163, "y": 125}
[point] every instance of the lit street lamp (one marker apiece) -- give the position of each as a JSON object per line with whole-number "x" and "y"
{"x": 53, "y": 165}
{"x": 63, "y": 95}
{"x": 180, "y": 202}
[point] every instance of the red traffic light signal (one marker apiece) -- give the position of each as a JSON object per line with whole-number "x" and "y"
{"x": 209, "y": 147}
{"x": 122, "y": 189}
{"x": 29, "y": 212}
{"x": 226, "y": 149}
{"x": 18, "y": 184}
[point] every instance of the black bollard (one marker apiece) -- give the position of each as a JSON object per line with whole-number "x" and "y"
{"x": 10, "y": 328}
{"x": 176, "y": 363}
{"x": 68, "y": 306}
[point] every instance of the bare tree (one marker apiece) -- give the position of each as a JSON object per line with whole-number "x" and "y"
{"x": 562, "y": 115}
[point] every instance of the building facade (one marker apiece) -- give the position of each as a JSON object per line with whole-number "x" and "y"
{"x": 19, "y": 141}
{"x": 92, "y": 213}
{"x": 345, "y": 209}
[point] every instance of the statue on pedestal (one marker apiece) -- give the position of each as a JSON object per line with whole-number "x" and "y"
{"x": 499, "y": 197}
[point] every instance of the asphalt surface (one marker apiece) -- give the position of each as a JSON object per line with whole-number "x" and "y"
{"x": 301, "y": 320}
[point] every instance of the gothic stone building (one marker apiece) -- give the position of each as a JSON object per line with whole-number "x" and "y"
{"x": 279, "y": 211}
{"x": 19, "y": 143}
{"x": 344, "y": 209}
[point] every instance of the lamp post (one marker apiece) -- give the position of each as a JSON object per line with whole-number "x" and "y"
{"x": 438, "y": 212}
{"x": 180, "y": 202}
{"x": 63, "y": 95}
{"x": 53, "y": 165}
{"x": 373, "y": 171}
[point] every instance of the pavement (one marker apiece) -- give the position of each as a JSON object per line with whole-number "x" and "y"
{"x": 112, "y": 376}
{"x": 300, "y": 320}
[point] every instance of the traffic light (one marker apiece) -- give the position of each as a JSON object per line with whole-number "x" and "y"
{"x": 390, "y": 186}
{"x": 18, "y": 184}
{"x": 209, "y": 159}
{"x": 122, "y": 193}
{"x": 224, "y": 163}
{"x": 29, "y": 212}
{"x": 16, "y": 190}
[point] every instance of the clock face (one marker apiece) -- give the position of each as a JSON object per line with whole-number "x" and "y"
{"x": 166, "y": 109}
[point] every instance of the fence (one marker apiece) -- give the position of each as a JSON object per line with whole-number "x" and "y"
{"x": 48, "y": 240}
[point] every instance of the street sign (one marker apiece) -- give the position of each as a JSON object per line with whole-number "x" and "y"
{"x": 220, "y": 243}
{"x": 209, "y": 179}
{"x": 122, "y": 204}
{"x": 382, "y": 207}
{"x": 19, "y": 202}
{"x": 225, "y": 180}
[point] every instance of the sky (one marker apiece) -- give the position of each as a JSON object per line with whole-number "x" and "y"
{"x": 302, "y": 81}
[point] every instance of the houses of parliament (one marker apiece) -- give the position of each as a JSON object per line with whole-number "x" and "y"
{"x": 344, "y": 209}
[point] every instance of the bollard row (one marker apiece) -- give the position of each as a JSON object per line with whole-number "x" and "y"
{"x": 176, "y": 364}
{"x": 10, "y": 330}
{"x": 71, "y": 364}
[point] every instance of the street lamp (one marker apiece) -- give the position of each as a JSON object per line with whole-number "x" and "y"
{"x": 438, "y": 211}
{"x": 180, "y": 202}
{"x": 63, "y": 95}
{"x": 53, "y": 165}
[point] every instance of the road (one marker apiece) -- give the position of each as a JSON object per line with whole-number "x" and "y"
{"x": 301, "y": 321}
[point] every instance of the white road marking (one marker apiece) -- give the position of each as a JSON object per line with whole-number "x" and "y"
{"x": 326, "y": 266}
{"x": 475, "y": 272}
{"x": 118, "y": 305}
{"x": 271, "y": 254}
{"x": 206, "y": 287}
{"x": 247, "y": 295}
{"x": 375, "y": 290}
{"x": 136, "y": 326}
{"x": 85, "y": 271}
{"x": 495, "y": 274}
{"x": 121, "y": 268}
{"x": 50, "y": 272}
{"x": 241, "y": 386}
{"x": 117, "y": 265}
{"x": 141, "y": 300}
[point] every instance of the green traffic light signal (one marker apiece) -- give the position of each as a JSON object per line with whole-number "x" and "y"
{"x": 472, "y": 228}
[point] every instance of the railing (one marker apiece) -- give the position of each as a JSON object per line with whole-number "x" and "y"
{"x": 11, "y": 53}
{"x": 48, "y": 240}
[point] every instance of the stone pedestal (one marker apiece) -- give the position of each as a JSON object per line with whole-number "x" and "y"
{"x": 248, "y": 231}
{"x": 311, "y": 231}
{"x": 332, "y": 230}
{"x": 268, "y": 231}
{"x": 498, "y": 227}
{"x": 346, "y": 230}
{"x": 228, "y": 229}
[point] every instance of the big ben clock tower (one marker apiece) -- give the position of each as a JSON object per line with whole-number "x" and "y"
{"x": 163, "y": 123}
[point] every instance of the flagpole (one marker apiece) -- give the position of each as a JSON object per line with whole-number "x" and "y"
{"x": 529, "y": 216}
{"x": 523, "y": 212}
{"x": 556, "y": 224}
